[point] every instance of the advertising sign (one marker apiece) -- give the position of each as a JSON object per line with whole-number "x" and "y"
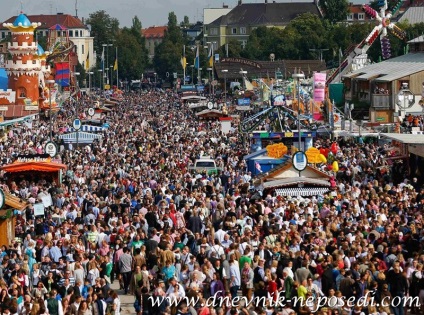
{"x": 319, "y": 86}
{"x": 300, "y": 161}
{"x": 280, "y": 100}
{"x": 243, "y": 101}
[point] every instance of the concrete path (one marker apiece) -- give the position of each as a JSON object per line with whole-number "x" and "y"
{"x": 127, "y": 301}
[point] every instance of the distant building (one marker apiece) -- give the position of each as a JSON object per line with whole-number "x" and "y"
{"x": 240, "y": 21}
{"x": 193, "y": 31}
{"x": 413, "y": 15}
{"x": 78, "y": 32}
{"x": 357, "y": 15}
{"x": 154, "y": 36}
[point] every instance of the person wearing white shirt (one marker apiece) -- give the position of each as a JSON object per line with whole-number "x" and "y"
{"x": 218, "y": 249}
{"x": 175, "y": 290}
{"x": 235, "y": 279}
{"x": 226, "y": 242}
{"x": 220, "y": 234}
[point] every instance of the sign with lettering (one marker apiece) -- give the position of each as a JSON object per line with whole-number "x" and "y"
{"x": 33, "y": 158}
{"x": 242, "y": 61}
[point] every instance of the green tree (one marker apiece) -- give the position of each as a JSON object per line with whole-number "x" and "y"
{"x": 234, "y": 49}
{"x": 103, "y": 28}
{"x": 334, "y": 10}
{"x": 186, "y": 22}
{"x": 310, "y": 32}
{"x": 169, "y": 52}
{"x": 132, "y": 59}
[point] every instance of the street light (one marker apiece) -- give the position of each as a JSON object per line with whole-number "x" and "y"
{"x": 225, "y": 71}
{"x": 100, "y": 79}
{"x": 405, "y": 98}
{"x": 192, "y": 73}
{"x": 209, "y": 79}
{"x": 50, "y": 82}
{"x": 89, "y": 81}
{"x": 107, "y": 57}
{"x": 155, "y": 78}
{"x": 243, "y": 73}
{"x": 200, "y": 76}
{"x": 76, "y": 104}
{"x": 297, "y": 77}
{"x": 111, "y": 75}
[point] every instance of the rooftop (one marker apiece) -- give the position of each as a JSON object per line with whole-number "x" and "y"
{"x": 154, "y": 31}
{"x": 413, "y": 15}
{"x": 47, "y": 21}
{"x": 391, "y": 69}
{"x": 265, "y": 13}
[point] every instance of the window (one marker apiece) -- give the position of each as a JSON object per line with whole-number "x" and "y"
{"x": 80, "y": 33}
{"x": 242, "y": 30}
{"x": 350, "y": 17}
{"x": 361, "y": 16}
{"x": 76, "y": 33}
{"x": 3, "y": 35}
{"x": 234, "y": 30}
{"x": 22, "y": 92}
{"x": 71, "y": 33}
{"x": 213, "y": 31}
{"x": 82, "y": 49}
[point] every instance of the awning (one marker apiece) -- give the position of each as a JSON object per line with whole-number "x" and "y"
{"x": 83, "y": 137}
{"x": 89, "y": 128}
{"x": 33, "y": 166}
{"x": 405, "y": 138}
{"x": 289, "y": 181}
{"x": 17, "y": 120}
{"x": 303, "y": 192}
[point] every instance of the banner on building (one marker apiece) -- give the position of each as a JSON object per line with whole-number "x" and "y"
{"x": 319, "y": 86}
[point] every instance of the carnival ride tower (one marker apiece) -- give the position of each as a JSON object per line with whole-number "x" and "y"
{"x": 24, "y": 67}
{"x": 63, "y": 56}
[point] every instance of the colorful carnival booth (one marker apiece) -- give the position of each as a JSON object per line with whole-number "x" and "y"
{"x": 34, "y": 167}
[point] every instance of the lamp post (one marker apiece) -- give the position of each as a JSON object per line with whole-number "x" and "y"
{"x": 89, "y": 82}
{"x": 50, "y": 82}
{"x": 107, "y": 58}
{"x": 405, "y": 99}
{"x": 100, "y": 79}
{"x": 209, "y": 79}
{"x": 155, "y": 78}
{"x": 200, "y": 76}
{"x": 76, "y": 105}
{"x": 192, "y": 72}
{"x": 111, "y": 75}
{"x": 297, "y": 77}
{"x": 243, "y": 73}
{"x": 225, "y": 71}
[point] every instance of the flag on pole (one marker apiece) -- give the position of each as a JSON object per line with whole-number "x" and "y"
{"x": 210, "y": 56}
{"x": 115, "y": 66}
{"x": 184, "y": 62}
{"x": 87, "y": 62}
{"x": 258, "y": 167}
{"x": 197, "y": 59}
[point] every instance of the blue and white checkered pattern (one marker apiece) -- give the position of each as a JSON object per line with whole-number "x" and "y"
{"x": 88, "y": 128}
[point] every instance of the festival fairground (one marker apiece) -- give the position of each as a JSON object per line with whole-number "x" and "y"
{"x": 258, "y": 187}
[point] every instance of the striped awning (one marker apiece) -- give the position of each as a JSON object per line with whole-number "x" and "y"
{"x": 89, "y": 128}
{"x": 83, "y": 137}
{"x": 303, "y": 192}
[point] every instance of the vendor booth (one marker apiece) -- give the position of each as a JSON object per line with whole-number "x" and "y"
{"x": 34, "y": 168}
{"x": 8, "y": 206}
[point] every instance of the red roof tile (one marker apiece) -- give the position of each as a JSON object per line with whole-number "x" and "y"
{"x": 48, "y": 21}
{"x": 154, "y": 31}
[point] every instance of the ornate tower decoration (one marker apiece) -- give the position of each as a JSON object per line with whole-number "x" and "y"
{"x": 24, "y": 68}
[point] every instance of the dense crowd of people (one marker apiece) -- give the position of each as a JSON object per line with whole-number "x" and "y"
{"x": 129, "y": 210}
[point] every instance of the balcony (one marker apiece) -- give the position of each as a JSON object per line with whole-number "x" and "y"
{"x": 381, "y": 101}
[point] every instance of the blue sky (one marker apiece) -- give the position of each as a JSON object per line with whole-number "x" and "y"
{"x": 150, "y": 12}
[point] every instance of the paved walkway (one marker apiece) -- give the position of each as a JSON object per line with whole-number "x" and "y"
{"x": 127, "y": 301}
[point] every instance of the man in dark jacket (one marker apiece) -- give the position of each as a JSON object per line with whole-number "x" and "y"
{"x": 195, "y": 223}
